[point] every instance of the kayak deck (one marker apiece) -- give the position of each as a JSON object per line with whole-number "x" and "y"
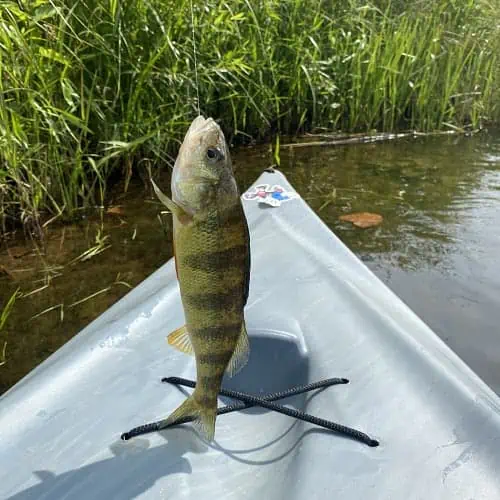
{"x": 314, "y": 312}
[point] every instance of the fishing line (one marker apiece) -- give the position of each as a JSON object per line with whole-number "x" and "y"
{"x": 195, "y": 60}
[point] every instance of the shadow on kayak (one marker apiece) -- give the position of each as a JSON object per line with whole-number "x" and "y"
{"x": 126, "y": 475}
{"x": 276, "y": 362}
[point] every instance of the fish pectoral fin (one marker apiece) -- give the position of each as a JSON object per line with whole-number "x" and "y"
{"x": 241, "y": 353}
{"x": 178, "y": 211}
{"x": 180, "y": 340}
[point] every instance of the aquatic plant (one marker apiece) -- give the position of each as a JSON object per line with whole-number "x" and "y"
{"x": 4, "y": 315}
{"x": 92, "y": 91}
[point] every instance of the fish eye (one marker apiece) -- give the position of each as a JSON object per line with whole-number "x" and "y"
{"x": 213, "y": 154}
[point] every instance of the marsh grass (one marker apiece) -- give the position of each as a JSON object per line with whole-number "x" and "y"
{"x": 92, "y": 91}
{"x": 4, "y": 315}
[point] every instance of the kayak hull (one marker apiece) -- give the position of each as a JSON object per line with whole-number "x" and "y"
{"x": 315, "y": 311}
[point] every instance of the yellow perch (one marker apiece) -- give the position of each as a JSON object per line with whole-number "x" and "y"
{"x": 212, "y": 257}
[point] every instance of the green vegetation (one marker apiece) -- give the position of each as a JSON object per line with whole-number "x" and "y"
{"x": 94, "y": 90}
{"x": 4, "y": 314}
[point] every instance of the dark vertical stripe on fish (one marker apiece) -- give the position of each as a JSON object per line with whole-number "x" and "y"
{"x": 216, "y": 358}
{"x": 208, "y": 383}
{"x": 214, "y": 261}
{"x": 213, "y": 222}
{"x": 205, "y": 400}
{"x": 218, "y": 333}
{"x": 215, "y": 301}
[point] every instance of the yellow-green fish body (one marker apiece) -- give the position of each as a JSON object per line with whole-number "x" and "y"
{"x": 212, "y": 257}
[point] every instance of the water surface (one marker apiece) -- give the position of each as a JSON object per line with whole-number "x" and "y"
{"x": 436, "y": 248}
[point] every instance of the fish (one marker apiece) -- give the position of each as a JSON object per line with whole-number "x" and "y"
{"x": 212, "y": 262}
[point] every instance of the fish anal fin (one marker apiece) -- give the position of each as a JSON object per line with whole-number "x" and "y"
{"x": 180, "y": 340}
{"x": 241, "y": 353}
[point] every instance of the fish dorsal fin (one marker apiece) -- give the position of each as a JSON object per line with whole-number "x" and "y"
{"x": 180, "y": 340}
{"x": 240, "y": 354}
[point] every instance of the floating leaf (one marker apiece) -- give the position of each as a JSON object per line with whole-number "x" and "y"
{"x": 362, "y": 219}
{"x": 117, "y": 210}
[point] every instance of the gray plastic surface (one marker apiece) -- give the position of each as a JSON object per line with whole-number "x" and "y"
{"x": 314, "y": 311}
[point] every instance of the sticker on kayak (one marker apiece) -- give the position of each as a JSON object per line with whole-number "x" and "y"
{"x": 273, "y": 196}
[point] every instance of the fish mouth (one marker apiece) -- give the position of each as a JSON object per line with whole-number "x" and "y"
{"x": 206, "y": 131}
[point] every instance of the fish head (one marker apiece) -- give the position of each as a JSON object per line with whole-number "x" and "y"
{"x": 203, "y": 171}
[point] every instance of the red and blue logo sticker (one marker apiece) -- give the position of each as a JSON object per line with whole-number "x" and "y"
{"x": 273, "y": 196}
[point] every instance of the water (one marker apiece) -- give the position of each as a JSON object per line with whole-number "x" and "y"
{"x": 436, "y": 248}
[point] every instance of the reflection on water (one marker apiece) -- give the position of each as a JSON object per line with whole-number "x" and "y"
{"x": 437, "y": 247}
{"x": 440, "y": 199}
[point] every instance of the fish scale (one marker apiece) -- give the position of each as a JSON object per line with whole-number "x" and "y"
{"x": 212, "y": 256}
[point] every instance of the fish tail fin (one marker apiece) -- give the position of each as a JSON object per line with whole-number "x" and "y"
{"x": 204, "y": 416}
{"x": 205, "y": 423}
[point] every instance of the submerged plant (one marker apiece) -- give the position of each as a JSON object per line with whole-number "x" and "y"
{"x": 7, "y": 309}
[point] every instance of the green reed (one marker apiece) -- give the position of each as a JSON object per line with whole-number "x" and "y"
{"x": 91, "y": 91}
{"x": 5, "y": 311}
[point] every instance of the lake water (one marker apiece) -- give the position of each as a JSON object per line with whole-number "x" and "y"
{"x": 436, "y": 247}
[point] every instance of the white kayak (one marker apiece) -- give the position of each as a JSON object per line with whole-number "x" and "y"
{"x": 315, "y": 311}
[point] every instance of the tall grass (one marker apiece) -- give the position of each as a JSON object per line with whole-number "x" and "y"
{"x": 4, "y": 315}
{"x": 94, "y": 89}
